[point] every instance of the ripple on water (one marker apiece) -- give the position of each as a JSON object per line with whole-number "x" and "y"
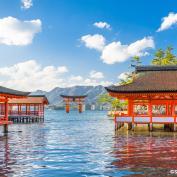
{"x": 84, "y": 145}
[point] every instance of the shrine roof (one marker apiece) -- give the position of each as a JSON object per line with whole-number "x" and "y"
{"x": 12, "y": 92}
{"x": 150, "y": 79}
{"x": 73, "y": 96}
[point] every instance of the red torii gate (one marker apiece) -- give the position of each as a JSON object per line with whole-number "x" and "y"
{"x": 78, "y": 99}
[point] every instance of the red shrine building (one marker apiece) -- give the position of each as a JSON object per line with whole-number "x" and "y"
{"x": 79, "y": 99}
{"x": 20, "y": 107}
{"x": 33, "y": 105}
{"x": 5, "y": 95}
{"x": 152, "y": 97}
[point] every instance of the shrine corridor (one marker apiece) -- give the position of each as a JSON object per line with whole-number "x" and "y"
{"x": 76, "y": 145}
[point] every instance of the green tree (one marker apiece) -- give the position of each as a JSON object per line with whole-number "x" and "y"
{"x": 114, "y": 102}
{"x": 162, "y": 58}
{"x": 104, "y": 98}
{"x": 117, "y": 104}
{"x": 135, "y": 61}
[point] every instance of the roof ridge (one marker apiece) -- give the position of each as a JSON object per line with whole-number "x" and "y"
{"x": 156, "y": 68}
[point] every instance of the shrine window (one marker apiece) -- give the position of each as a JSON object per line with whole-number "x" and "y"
{"x": 31, "y": 108}
{"x": 141, "y": 109}
{"x": 23, "y": 108}
{"x": 159, "y": 110}
{"x": 14, "y": 108}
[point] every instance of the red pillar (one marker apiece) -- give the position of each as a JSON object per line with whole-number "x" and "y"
{"x": 67, "y": 107}
{"x": 150, "y": 114}
{"x": 20, "y": 109}
{"x": 6, "y": 116}
{"x": 6, "y": 110}
{"x": 129, "y": 107}
{"x": 131, "y": 113}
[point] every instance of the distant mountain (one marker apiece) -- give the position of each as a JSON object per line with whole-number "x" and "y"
{"x": 54, "y": 95}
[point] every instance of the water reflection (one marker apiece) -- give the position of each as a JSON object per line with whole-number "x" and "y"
{"x": 146, "y": 154}
{"x": 80, "y": 145}
{"x": 18, "y": 150}
{"x": 5, "y": 156}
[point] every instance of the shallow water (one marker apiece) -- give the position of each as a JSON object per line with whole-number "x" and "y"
{"x": 74, "y": 145}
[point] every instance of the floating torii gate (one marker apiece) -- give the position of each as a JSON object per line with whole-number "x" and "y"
{"x": 78, "y": 99}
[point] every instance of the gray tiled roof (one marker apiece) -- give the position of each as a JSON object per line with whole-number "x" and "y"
{"x": 150, "y": 79}
{"x": 4, "y": 90}
{"x": 74, "y": 96}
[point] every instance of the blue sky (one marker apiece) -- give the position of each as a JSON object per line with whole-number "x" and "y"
{"x": 57, "y": 40}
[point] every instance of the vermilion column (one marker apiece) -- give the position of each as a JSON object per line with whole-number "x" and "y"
{"x": 131, "y": 114}
{"x": 6, "y": 116}
{"x": 6, "y": 110}
{"x": 67, "y": 107}
{"x": 150, "y": 113}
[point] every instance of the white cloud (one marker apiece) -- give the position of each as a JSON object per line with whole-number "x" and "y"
{"x": 116, "y": 52}
{"x": 62, "y": 69}
{"x": 168, "y": 21}
{"x": 76, "y": 78}
{"x": 26, "y": 4}
{"x": 123, "y": 76}
{"x": 96, "y": 75}
{"x": 16, "y": 32}
{"x": 102, "y": 25}
{"x": 95, "y": 82}
{"x": 96, "y": 41}
{"x": 30, "y": 76}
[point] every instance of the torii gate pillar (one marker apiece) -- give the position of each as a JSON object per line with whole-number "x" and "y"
{"x": 67, "y": 107}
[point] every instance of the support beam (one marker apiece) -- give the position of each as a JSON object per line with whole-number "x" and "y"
{"x": 6, "y": 110}
{"x": 150, "y": 113}
{"x": 150, "y": 127}
{"x": 6, "y": 116}
{"x": 133, "y": 126}
{"x": 129, "y": 126}
{"x": 5, "y": 129}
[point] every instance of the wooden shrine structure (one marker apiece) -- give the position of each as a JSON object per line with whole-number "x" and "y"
{"x": 5, "y": 95}
{"x": 26, "y": 110}
{"x": 152, "y": 97}
{"x": 78, "y": 99}
{"x": 20, "y": 107}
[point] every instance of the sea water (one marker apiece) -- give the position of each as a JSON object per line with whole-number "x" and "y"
{"x": 83, "y": 145}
